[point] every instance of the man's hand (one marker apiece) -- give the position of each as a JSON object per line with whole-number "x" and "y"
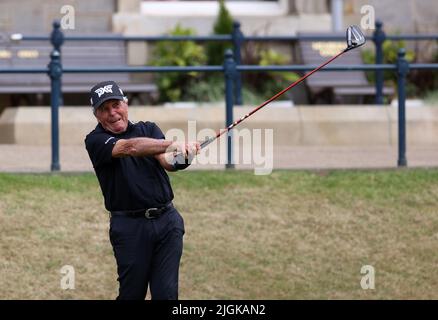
{"x": 193, "y": 148}
{"x": 176, "y": 147}
{"x": 184, "y": 150}
{"x": 178, "y": 155}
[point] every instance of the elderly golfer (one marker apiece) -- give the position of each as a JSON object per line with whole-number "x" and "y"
{"x": 130, "y": 161}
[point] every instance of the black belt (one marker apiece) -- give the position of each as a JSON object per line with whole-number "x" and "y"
{"x": 150, "y": 213}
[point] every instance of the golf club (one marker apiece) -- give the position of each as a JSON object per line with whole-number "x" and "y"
{"x": 354, "y": 38}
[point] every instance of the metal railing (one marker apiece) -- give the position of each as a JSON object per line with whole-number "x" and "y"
{"x": 237, "y": 38}
{"x": 231, "y": 70}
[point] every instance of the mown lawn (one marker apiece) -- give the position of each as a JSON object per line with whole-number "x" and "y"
{"x": 288, "y": 235}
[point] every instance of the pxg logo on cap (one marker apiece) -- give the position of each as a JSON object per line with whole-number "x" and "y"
{"x": 104, "y": 91}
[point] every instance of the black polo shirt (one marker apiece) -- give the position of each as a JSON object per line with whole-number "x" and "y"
{"x": 128, "y": 183}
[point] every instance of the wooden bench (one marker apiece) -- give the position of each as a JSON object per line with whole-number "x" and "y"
{"x": 336, "y": 86}
{"x": 74, "y": 54}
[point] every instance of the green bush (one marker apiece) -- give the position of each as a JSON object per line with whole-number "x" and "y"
{"x": 390, "y": 51}
{"x": 426, "y": 81}
{"x": 223, "y": 25}
{"x": 211, "y": 88}
{"x": 280, "y": 79}
{"x": 431, "y": 98}
{"x": 257, "y": 87}
{"x": 172, "y": 86}
{"x": 266, "y": 84}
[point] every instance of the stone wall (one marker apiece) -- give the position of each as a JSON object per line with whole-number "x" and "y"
{"x": 292, "y": 126}
{"x": 36, "y": 17}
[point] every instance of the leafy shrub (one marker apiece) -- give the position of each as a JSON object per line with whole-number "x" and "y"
{"x": 177, "y": 53}
{"x": 206, "y": 87}
{"x": 390, "y": 54}
{"x": 431, "y": 97}
{"x": 266, "y": 83}
{"x": 210, "y": 88}
{"x": 223, "y": 25}
{"x": 425, "y": 81}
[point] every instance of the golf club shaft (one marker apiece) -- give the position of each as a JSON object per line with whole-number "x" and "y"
{"x": 235, "y": 123}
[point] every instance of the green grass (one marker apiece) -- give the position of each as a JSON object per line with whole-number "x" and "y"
{"x": 288, "y": 235}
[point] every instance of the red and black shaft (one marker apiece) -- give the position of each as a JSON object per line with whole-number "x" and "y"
{"x": 235, "y": 123}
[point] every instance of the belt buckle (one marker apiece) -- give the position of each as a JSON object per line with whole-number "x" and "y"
{"x": 148, "y": 215}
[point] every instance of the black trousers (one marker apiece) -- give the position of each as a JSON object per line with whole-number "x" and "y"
{"x": 148, "y": 252}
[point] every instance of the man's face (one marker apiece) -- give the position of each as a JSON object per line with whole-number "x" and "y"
{"x": 113, "y": 116}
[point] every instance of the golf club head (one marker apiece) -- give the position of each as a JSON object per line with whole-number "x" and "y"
{"x": 355, "y": 37}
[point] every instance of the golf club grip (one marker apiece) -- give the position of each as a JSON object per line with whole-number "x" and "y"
{"x": 203, "y": 145}
{"x": 207, "y": 142}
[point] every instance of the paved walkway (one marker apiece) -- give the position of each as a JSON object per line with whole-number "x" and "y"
{"x": 19, "y": 158}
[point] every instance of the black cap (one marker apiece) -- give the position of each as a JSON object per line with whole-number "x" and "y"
{"x": 104, "y": 91}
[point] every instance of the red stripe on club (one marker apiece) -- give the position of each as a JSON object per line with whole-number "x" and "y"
{"x": 222, "y": 131}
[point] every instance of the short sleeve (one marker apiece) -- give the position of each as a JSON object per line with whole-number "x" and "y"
{"x": 100, "y": 147}
{"x": 155, "y": 131}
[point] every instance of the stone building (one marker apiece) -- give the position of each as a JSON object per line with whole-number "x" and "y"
{"x": 257, "y": 17}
